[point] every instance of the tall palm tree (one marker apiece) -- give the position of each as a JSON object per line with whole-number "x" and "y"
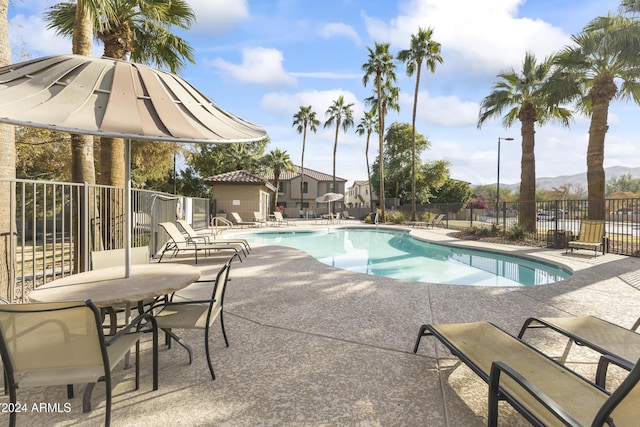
{"x": 141, "y": 30}
{"x": 303, "y": 119}
{"x": 422, "y": 49}
{"x": 367, "y": 125}
{"x": 602, "y": 66}
{"x": 527, "y": 97}
{"x": 381, "y": 69}
{"x": 342, "y": 115}
{"x": 7, "y": 170}
{"x": 277, "y": 161}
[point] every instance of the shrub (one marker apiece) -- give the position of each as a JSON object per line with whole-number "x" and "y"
{"x": 515, "y": 232}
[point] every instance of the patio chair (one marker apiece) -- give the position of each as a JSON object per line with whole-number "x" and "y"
{"x": 345, "y": 215}
{"x": 599, "y": 335}
{"x": 178, "y": 243}
{"x": 539, "y": 388}
{"x": 240, "y": 222}
{"x": 437, "y": 220}
{"x": 259, "y": 219}
{"x": 590, "y": 237}
{"x": 198, "y": 314}
{"x": 115, "y": 258}
{"x": 279, "y": 219}
{"x": 207, "y": 238}
{"x": 50, "y": 344}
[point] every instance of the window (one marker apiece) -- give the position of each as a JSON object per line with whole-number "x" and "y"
{"x": 330, "y": 187}
{"x": 280, "y": 187}
{"x": 305, "y": 187}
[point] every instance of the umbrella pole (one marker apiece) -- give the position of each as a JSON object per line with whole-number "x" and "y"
{"x": 127, "y": 207}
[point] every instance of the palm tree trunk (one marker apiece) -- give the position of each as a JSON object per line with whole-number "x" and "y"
{"x": 366, "y": 156}
{"x": 112, "y": 173}
{"x": 83, "y": 169}
{"x": 601, "y": 94}
{"x": 7, "y": 170}
{"x": 304, "y": 140}
{"x": 335, "y": 151}
{"x": 276, "y": 180}
{"x": 413, "y": 144}
{"x": 380, "y": 146}
{"x": 528, "y": 177}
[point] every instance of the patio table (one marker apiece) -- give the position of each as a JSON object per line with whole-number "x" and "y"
{"x": 108, "y": 287}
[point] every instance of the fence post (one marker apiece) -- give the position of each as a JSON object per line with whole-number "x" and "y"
{"x": 85, "y": 219}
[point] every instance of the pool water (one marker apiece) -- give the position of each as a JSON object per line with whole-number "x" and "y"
{"x": 395, "y": 254}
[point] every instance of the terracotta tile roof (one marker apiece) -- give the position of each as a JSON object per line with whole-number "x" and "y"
{"x": 237, "y": 177}
{"x": 318, "y": 176}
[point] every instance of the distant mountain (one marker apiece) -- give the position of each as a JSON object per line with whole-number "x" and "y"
{"x": 548, "y": 183}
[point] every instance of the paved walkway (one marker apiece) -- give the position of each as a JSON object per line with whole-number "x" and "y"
{"x": 312, "y": 345}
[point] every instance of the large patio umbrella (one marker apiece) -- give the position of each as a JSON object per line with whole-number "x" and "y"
{"x": 328, "y": 198}
{"x": 119, "y": 99}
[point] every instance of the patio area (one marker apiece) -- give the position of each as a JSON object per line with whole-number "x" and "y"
{"x": 313, "y": 345}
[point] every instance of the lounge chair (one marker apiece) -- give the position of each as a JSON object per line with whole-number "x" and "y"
{"x": 241, "y": 223}
{"x": 426, "y": 224}
{"x": 597, "y": 334}
{"x": 208, "y": 238}
{"x": 345, "y": 215}
{"x": 179, "y": 242}
{"x": 260, "y": 219}
{"x": 539, "y": 388}
{"x": 279, "y": 219}
{"x": 53, "y": 344}
{"x": 200, "y": 314}
{"x": 590, "y": 237}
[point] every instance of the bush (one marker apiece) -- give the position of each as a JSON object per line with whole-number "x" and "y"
{"x": 516, "y": 232}
{"x": 395, "y": 217}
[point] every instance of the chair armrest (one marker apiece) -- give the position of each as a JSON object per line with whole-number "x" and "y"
{"x": 495, "y": 394}
{"x": 603, "y": 366}
{"x": 137, "y": 324}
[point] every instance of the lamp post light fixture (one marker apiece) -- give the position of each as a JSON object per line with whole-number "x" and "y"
{"x": 498, "y": 182}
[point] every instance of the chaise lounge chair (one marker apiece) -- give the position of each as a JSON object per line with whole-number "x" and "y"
{"x": 209, "y": 237}
{"x": 539, "y": 388}
{"x": 241, "y": 223}
{"x": 590, "y": 237}
{"x": 279, "y": 219}
{"x": 599, "y": 335}
{"x": 179, "y": 242}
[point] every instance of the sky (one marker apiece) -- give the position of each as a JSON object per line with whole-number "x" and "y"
{"x": 263, "y": 59}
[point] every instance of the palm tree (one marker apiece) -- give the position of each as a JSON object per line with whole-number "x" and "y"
{"x": 527, "y": 97}
{"x": 239, "y": 157}
{"x": 422, "y": 49}
{"x": 140, "y": 29}
{"x": 277, "y": 161}
{"x": 601, "y": 66}
{"x": 303, "y": 119}
{"x": 367, "y": 125}
{"x": 381, "y": 68}
{"x": 7, "y": 170}
{"x": 342, "y": 115}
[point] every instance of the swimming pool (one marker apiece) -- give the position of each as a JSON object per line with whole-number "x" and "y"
{"x": 395, "y": 254}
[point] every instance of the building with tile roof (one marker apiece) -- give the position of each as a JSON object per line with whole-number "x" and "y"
{"x": 241, "y": 192}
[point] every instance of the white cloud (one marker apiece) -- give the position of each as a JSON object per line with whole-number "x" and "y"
{"x": 447, "y": 111}
{"x": 286, "y": 105}
{"x": 338, "y": 29}
{"x": 260, "y": 66}
{"x": 218, "y": 16}
{"x": 484, "y": 36}
{"x": 29, "y": 36}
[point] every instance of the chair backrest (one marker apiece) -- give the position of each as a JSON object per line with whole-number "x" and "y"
{"x": 591, "y": 231}
{"x": 220, "y": 286}
{"x": 258, "y": 217}
{"x": 115, "y": 257}
{"x": 278, "y": 216}
{"x": 187, "y": 228}
{"x": 175, "y": 235}
{"x": 236, "y": 217}
{"x": 438, "y": 218}
{"x": 39, "y": 336}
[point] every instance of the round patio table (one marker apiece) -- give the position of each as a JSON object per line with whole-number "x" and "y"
{"x": 107, "y": 287}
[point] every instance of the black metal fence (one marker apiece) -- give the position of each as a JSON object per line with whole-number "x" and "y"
{"x": 557, "y": 221}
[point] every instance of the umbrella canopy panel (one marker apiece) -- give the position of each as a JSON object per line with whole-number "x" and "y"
{"x": 329, "y": 197}
{"x": 107, "y": 97}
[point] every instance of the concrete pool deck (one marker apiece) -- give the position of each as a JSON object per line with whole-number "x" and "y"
{"x": 312, "y": 345}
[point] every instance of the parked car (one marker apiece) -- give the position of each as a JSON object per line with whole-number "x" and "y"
{"x": 545, "y": 216}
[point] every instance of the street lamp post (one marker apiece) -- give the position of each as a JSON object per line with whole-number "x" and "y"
{"x": 498, "y": 182}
